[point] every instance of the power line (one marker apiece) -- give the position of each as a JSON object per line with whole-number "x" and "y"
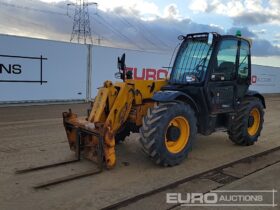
{"x": 99, "y": 39}
{"x": 31, "y": 9}
{"x": 108, "y": 27}
{"x": 124, "y": 20}
{"x": 150, "y": 32}
{"x": 113, "y": 29}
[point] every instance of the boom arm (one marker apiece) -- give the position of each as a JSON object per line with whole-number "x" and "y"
{"x": 113, "y": 106}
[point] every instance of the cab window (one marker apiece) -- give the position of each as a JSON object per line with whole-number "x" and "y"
{"x": 226, "y": 61}
{"x": 243, "y": 60}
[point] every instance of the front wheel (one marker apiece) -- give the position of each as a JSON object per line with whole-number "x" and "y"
{"x": 167, "y": 132}
{"x": 248, "y": 123}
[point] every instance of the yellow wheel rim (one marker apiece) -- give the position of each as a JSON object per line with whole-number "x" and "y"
{"x": 253, "y": 129}
{"x": 179, "y": 144}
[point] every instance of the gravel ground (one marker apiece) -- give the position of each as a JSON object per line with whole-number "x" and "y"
{"x": 34, "y": 135}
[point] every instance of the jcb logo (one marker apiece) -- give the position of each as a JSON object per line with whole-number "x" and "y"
{"x": 148, "y": 73}
{"x": 10, "y": 68}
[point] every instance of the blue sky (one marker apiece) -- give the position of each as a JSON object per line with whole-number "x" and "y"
{"x": 153, "y": 24}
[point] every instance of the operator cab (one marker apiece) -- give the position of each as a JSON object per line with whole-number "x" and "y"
{"x": 214, "y": 67}
{"x": 212, "y": 73}
{"x": 226, "y": 58}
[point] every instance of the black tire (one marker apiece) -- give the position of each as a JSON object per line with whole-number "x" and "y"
{"x": 154, "y": 129}
{"x": 239, "y": 133}
{"x": 122, "y": 134}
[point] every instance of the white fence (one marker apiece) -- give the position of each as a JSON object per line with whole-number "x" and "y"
{"x": 145, "y": 65}
{"x": 42, "y": 70}
{"x": 265, "y": 79}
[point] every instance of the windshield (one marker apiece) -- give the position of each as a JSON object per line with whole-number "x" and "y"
{"x": 191, "y": 62}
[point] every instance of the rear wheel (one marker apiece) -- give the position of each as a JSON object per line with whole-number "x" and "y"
{"x": 167, "y": 132}
{"x": 248, "y": 123}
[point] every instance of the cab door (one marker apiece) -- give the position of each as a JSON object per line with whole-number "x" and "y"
{"x": 244, "y": 69}
{"x": 221, "y": 89}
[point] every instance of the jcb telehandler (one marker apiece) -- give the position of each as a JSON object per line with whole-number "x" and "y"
{"x": 207, "y": 90}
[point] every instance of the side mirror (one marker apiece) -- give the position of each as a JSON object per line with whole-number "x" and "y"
{"x": 121, "y": 62}
{"x": 123, "y": 74}
{"x": 210, "y": 39}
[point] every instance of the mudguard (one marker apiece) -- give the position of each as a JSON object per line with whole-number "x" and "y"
{"x": 167, "y": 95}
{"x": 256, "y": 94}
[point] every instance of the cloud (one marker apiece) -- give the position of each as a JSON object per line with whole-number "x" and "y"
{"x": 217, "y": 26}
{"x": 171, "y": 11}
{"x": 34, "y": 19}
{"x": 244, "y": 12}
{"x": 114, "y": 25}
{"x": 260, "y": 47}
{"x": 199, "y": 5}
{"x": 260, "y": 31}
{"x": 277, "y": 36}
{"x": 142, "y": 7}
{"x": 158, "y": 34}
{"x": 276, "y": 40}
{"x": 255, "y": 18}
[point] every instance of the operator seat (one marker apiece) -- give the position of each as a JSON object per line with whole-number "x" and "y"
{"x": 227, "y": 68}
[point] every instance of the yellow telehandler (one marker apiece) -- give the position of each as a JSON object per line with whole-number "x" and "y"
{"x": 207, "y": 90}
